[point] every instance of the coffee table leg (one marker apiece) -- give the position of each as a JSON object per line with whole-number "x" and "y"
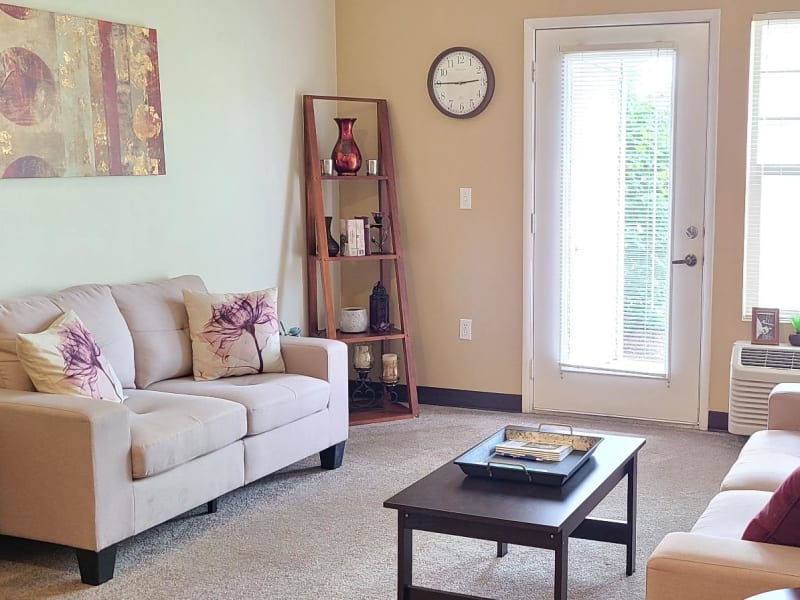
{"x": 404, "y": 555}
{"x": 502, "y": 549}
{"x": 560, "y": 591}
{"x": 630, "y": 543}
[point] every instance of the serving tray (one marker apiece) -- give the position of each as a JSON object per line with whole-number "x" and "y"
{"x": 482, "y": 461}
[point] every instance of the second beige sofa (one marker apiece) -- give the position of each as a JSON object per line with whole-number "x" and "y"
{"x": 712, "y": 561}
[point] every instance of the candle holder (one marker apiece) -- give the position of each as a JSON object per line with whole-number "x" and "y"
{"x": 364, "y": 395}
{"x": 381, "y": 232}
{"x": 389, "y": 376}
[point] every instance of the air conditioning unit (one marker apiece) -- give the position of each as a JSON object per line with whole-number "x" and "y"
{"x": 755, "y": 370}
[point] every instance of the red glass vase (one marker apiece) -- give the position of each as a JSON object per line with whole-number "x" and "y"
{"x": 346, "y": 155}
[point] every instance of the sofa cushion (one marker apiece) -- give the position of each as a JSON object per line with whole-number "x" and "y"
{"x": 779, "y": 521}
{"x": 96, "y": 308}
{"x": 271, "y": 399}
{"x": 234, "y": 334}
{"x": 765, "y": 461}
{"x": 728, "y": 513}
{"x": 22, "y": 315}
{"x": 156, "y": 316}
{"x": 168, "y": 430}
{"x": 65, "y": 359}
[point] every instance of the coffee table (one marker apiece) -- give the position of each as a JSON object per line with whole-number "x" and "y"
{"x": 449, "y": 502}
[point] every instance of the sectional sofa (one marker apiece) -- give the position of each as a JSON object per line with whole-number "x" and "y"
{"x": 89, "y": 474}
{"x": 712, "y": 561}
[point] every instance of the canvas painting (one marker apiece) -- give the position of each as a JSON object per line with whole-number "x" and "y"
{"x": 78, "y": 97}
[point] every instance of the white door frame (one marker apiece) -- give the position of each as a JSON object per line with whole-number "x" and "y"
{"x": 712, "y": 17}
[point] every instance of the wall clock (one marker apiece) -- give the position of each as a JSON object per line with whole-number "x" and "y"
{"x": 460, "y": 82}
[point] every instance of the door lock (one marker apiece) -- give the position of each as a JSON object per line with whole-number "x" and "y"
{"x": 689, "y": 260}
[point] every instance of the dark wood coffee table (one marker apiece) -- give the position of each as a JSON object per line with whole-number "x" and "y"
{"x": 449, "y": 502}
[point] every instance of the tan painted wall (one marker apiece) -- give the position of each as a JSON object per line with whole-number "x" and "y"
{"x": 230, "y": 206}
{"x": 469, "y": 263}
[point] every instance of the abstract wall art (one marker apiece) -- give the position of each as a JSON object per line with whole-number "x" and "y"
{"x": 78, "y": 97}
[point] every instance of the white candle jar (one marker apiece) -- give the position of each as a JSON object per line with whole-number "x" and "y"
{"x": 362, "y": 357}
{"x": 353, "y": 319}
{"x": 389, "y": 373}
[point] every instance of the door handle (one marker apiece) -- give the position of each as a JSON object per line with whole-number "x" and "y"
{"x": 689, "y": 260}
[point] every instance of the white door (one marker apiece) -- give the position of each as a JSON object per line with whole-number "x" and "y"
{"x": 620, "y": 124}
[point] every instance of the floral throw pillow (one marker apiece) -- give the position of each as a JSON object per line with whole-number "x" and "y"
{"x": 65, "y": 359}
{"x": 234, "y": 334}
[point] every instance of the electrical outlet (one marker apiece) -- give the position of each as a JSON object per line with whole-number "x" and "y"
{"x": 465, "y": 198}
{"x": 465, "y": 329}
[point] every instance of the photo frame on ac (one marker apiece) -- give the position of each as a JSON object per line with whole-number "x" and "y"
{"x": 766, "y": 326}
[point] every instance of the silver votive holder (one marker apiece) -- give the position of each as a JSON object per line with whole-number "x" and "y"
{"x": 372, "y": 167}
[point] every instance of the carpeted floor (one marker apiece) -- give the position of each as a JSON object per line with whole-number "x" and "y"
{"x": 305, "y": 533}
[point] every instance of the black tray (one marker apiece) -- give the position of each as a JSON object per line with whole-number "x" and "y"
{"x": 481, "y": 461}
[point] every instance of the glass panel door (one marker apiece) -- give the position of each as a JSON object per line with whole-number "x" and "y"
{"x": 620, "y": 137}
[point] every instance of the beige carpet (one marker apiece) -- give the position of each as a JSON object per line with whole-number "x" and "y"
{"x": 305, "y": 533}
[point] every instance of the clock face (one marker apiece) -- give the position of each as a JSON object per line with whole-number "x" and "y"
{"x": 460, "y": 82}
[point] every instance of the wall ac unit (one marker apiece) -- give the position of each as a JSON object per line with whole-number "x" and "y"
{"x": 755, "y": 370}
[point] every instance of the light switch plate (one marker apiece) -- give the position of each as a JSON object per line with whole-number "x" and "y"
{"x": 465, "y": 198}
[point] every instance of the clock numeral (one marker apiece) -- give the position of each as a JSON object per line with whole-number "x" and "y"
{"x": 442, "y": 95}
{"x": 450, "y": 63}
{"x": 443, "y": 72}
{"x": 479, "y": 70}
{"x": 461, "y": 59}
{"x": 461, "y": 106}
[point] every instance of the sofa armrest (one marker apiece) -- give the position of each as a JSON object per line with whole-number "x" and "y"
{"x": 784, "y": 407}
{"x": 65, "y": 471}
{"x": 691, "y": 566}
{"x": 324, "y": 359}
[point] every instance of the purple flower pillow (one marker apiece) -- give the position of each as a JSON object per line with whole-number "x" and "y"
{"x": 234, "y": 334}
{"x": 65, "y": 359}
{"x": 779, "y": 521}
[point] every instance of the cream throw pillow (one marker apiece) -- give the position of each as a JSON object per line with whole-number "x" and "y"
{"x": 234, "y": 334}
{"x": 65, "y": 359}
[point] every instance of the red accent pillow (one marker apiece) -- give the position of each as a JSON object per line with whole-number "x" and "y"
{"x": 779, "y": 521}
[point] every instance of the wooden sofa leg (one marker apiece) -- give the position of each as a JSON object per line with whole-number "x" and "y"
{"x": 97, "y": 567}
{"x": 331, "y": 458}
{"x": 213, "y": 505}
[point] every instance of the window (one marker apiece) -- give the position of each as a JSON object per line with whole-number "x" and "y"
{"x": 616, "y": 209}
{"x": 773, "y": 162}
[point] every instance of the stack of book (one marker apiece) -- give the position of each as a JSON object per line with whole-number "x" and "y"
{"x": 533, "y": 450}
{"x": 354, "y": 236}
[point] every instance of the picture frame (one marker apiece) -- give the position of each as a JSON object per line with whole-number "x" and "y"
{"x": 765, "y": 326}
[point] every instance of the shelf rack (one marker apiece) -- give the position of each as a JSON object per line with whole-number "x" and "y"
{"x": 319, "y": 262}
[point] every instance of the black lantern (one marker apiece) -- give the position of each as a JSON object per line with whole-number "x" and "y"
{"x": 379, "y": 309}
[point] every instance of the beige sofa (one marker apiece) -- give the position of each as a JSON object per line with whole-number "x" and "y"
{"x": 89, "y": 474}
{"x": 712, "y": 562}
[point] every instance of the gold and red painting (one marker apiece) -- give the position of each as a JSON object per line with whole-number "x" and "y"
{"x": 78, "y": 97}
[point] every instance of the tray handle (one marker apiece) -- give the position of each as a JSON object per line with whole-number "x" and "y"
{"x": 509, "y": 465}
{"x": 539, "y": 429}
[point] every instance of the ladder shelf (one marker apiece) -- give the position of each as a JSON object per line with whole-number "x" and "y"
{"x": 391, "y": 266}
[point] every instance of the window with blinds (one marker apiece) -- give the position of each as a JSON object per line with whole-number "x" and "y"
{"x": 773, "y": 167}
{"x": 616, "y": 184}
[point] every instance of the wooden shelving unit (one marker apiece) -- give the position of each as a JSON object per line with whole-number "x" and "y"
{"x": 389, "y": 265}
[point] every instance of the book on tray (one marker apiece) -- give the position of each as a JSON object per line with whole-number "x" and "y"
{"x": 533, "y": 450}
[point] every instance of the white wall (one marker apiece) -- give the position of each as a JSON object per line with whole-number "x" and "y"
{"x": 230, "y": 207}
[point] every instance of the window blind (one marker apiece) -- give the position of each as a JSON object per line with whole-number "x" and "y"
{"x": 616, "y": 188}
{"x": 773, "y": 167}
